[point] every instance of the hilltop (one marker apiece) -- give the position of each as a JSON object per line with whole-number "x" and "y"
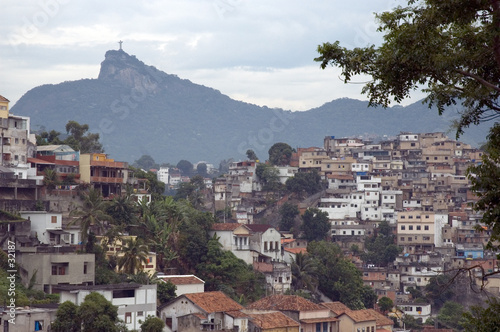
{"x": 138, "y": 109}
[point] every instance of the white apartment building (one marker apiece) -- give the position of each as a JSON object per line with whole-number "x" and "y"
{"x": 163, "y": 175}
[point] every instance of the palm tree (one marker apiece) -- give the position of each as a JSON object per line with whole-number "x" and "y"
{"x": 135, "y": 254}
{"x": 50, "y": 179}
{"x": 91, "y": 216}
{"x": 123, "y": 210}
{"x": 304, "y": 273}
{"x": 161, "y": 243}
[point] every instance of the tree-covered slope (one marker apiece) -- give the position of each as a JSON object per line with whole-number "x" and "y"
{"x": 139, "y": 110}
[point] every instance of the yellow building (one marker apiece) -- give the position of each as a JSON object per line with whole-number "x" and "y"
{"x": 416, "y": 229}
{"x": 114, "y": 249}
{"x": 4, "y": 108}
{"x": 103, "y": 173}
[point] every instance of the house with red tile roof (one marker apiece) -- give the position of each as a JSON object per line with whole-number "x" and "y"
{"x": 291, "y": 254}
{"x": 272, "y": 321}
{"x": 311, "y": 316}
{"x": 357, "y": 320}
{"x": 185, "y": 284}
{"x": 383, "y": 322}
{"x": 336, "y": 307}
{"x": 203, "y": 311}
{"x": 260, "y": 245}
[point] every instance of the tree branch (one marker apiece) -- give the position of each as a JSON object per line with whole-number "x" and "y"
{"x": 479, "y": 79}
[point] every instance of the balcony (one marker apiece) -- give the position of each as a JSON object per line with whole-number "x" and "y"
{"x": 104, "y": 179}
{"x": 109, "y": 164}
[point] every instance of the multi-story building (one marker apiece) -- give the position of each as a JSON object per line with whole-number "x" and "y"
{"x": 115, "y": 249}
{"x": 341, "y": 147}
{"x": 104, "y": 174}
{"x": 163, "y": 175}
{"x": 50, "y": 267}
{"x": 17, "y": 142}
{"x": 46, "y": 227}
{"x": 135, "y": 302}
{"x": 415, "y": 231}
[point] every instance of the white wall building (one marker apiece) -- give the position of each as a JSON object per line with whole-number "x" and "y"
{"x": 186, "y": 284}
{"x": 163, "y": 175}
{"x": 47, "y": 227}
{"x": 135, "y": 302}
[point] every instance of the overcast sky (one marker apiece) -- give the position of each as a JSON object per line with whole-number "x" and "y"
{"x": 256, "y": 51}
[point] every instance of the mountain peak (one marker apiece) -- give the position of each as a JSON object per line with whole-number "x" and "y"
{"x": 124, "y": 69}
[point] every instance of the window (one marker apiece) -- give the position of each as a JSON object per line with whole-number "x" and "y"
{"x": 409, "y": 239}
{"x": 60, "y": 269}
{"x": 410, "y": 227}
{"x": 128, "y": 318}
{"x": 16, "y": 140}
{"x": 402, "y": 238}
{"x": 426, "y": 228}
{"x": 140, "y": 313}
{"x": 123, "y": 293}
{"x": 418, "y": 227}
{"x": 53, "y": 219}
{"x": 403, "y": 227}
{"x": 39, "y": 325}
{"x": 84, "y": 268}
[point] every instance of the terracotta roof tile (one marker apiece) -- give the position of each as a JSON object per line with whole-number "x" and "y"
{"x": 359, "y": 315}
{"x": 336, "y": 307}
{"x": 296, "y": 250}
{"x": 213, "y": 301}
{"x": 2, "y": 98}
{"x": 200, "y": 316}
{"x": 225, "y": 226}
{"x": 236, "y": 314}
{"x": 273, "y": 320}
{"x": 182, "y": 279}
{"x": 381, "y": 319}
{"x": 284, "y": 302}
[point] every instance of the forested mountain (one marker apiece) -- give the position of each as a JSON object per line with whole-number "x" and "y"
{"x": 138, "y": 109}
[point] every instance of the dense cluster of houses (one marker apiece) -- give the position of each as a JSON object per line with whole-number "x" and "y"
{"x": 416, "y": 182}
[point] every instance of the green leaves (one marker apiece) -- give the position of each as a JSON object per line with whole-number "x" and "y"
{"x": 484, "y": 178}
{"x": 338, "y": 278}
{"x": 448, "y": 49}
{"x": 315, "y": 225}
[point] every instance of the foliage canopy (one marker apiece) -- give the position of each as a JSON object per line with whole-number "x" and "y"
{"x": 449, "y": 49}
